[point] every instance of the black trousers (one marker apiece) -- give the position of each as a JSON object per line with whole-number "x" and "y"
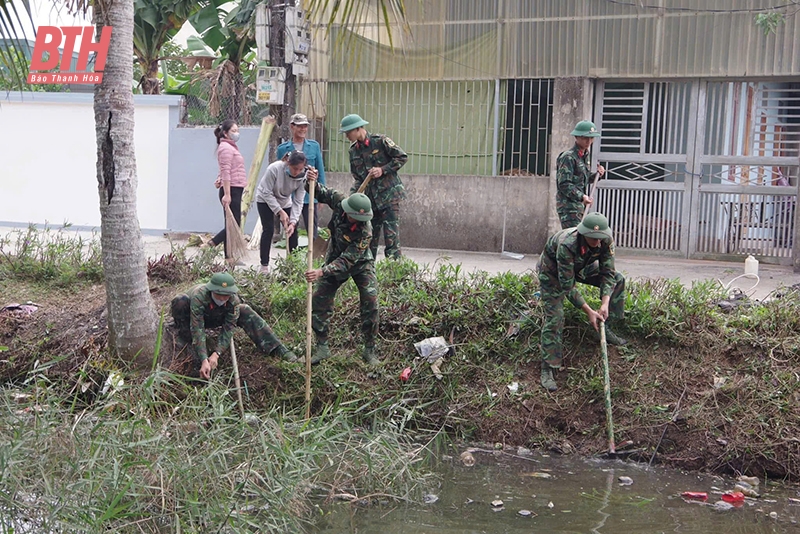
{"x": 236, "y": 209}
{"x": 268, "y": 230}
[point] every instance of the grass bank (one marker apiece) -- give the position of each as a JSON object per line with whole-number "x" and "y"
{"x": 711, "y": 389}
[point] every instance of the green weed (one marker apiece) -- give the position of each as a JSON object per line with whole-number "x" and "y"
{"x": 50, "y": 255}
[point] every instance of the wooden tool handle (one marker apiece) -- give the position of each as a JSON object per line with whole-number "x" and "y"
{"x": 364, "y": 184}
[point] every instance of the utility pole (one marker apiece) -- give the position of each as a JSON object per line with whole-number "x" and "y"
{"x": 283, "y": 37}
{"x": 277, "y": 48}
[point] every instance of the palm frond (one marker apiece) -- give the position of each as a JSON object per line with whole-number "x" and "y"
{"x": 13, "y": 44}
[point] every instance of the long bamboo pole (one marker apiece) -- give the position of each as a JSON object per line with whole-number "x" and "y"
{"x": 236, "y": 378}
{"x": 310, "y": 294}
{"x": 612, "y": 448}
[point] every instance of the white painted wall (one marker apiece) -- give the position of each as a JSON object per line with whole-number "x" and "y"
{"x": 48, "y": 156}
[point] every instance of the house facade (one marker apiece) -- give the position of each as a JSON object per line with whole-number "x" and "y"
{"x": 698, "y": 106}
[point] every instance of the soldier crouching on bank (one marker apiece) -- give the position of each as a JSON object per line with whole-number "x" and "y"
{"x": 217, "y": 304}
{"x": 583, "y": 254}
{"x": 348, "y": 256}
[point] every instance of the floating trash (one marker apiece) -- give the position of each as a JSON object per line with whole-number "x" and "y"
{"x": 467, "y": 459}
{"x": 773, "y": 515}
{"x": 753, "y": 481}
{"x": 526, "y": 513}
{"x": 550, "y": 504}
{"x": 746, "y": 489}
{"x": 430, "y": 498}
{"x": 699, "y": 495}
{"x": 625, "y": 481}
{"x": 537, "y": 474}
{"x": 735, "y": 496}
{"x": 722, "y": 506}
{"x": 497, "y": 503}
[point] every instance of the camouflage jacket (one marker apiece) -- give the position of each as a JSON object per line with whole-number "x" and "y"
{"x": 572, "y": 179}
{"x": 203, "y": 310}
{"x": 378, "y": 151}
{"x": 348, "y": 247}
{"x": 566, "y": 254}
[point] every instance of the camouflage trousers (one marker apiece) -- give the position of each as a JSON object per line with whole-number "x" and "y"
{"x": 325, "y": 292}
{"x": 387, "y": 219}
{"x": 553, "y": 326}
{"x": 570, "y": 216}
{"x": 253, "y": 325}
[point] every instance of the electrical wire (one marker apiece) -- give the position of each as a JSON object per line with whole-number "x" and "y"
{"x": 749, "y": 292}
{"x": 697, "y": 10}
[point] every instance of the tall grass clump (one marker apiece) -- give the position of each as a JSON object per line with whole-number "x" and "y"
{"x": 50, "y": 255}
{"x": 163, "y": 456}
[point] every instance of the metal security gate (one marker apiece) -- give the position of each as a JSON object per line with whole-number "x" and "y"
{"x": 700, "y": 169}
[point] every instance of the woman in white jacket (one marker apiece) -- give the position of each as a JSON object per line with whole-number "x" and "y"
{"x": 280, "y": 192}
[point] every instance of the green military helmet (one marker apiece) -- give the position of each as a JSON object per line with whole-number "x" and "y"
{"x": 222, "y": 283}
{"x": 351, "y": 122}
{"x": 585, "y": 129}
{"x": 595, "y": 226}
{"x": 358, "y": 207}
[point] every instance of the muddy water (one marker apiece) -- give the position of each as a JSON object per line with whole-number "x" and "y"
{"x": 586, "y": 496}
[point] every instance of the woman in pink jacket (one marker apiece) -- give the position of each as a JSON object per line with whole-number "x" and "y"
{"x": 232, "y": 177}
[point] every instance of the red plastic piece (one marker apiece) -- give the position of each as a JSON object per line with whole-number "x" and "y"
{"x": 404, "y": 376}
{"x": 701, "y": 495}
{"x": 733, "y": 497}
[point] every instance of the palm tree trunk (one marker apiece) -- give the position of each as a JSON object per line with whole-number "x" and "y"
{"x": 150, "y": 83}
{"x": 131, "y": 313}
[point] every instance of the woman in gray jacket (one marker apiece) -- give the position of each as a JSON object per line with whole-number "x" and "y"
{"x": 280, "y": 192}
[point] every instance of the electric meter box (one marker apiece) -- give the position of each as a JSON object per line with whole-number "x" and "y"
{"x": 262, "y": 32}
{"x": 270, "y": 85}
{"x": 298, "y": 40}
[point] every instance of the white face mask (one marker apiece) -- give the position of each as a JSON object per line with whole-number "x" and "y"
{"x": 218, "y": 302}
{"x": 234, "y": 136}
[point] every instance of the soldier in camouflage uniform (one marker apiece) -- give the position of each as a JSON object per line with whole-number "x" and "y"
{"x": 584, "y": 254}
{"x": 377, "y": 156}
{"x": 348, "y": 256}
{"x": 217, "y": 304}
{"x": 572, "y": 176}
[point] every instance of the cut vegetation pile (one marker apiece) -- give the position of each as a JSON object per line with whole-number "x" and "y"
{"x": 736, "y": 374}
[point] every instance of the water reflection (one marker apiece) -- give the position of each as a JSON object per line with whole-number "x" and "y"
{"x": 586, "y": 497}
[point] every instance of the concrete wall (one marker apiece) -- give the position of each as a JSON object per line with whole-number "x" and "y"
{"x": 48, "y": 175}
{"x": 466, "y": 212}
{"x": 49, "y": 154}
{"x": 193, "y": 202}
{"x": 572, "y": 103}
